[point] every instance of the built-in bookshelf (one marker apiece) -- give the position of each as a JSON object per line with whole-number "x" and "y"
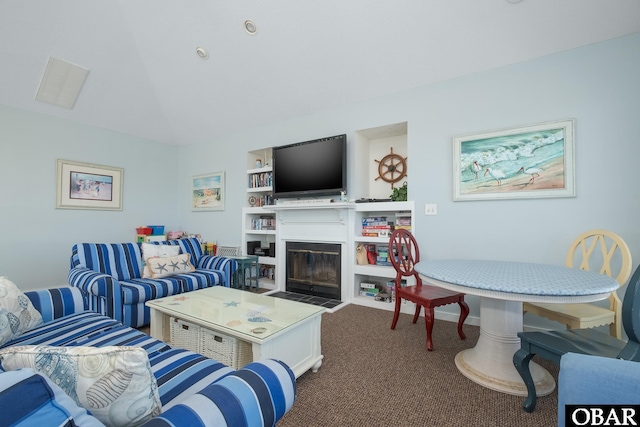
{"x": 374, "y": 223}
{"x": 259, "y": 178}
{"x": 259, "y": 238}
{"x": 261, "y": 217}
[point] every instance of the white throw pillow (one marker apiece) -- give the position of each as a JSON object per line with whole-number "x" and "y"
{"x": 149, "y": 250}
{"x": 163, "y": 267}
{"x": 17, "y": 314}
{"x": 114, "y": 383}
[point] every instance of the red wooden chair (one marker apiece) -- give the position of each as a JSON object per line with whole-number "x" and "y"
{"x": 404, "y": 254}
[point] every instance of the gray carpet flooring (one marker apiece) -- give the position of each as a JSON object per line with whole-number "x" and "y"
{"x": 373, "y": 376}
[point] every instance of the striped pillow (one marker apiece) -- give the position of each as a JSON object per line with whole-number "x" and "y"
{"x": 47, "y": 404}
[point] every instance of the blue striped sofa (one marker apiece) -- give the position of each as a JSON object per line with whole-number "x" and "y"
{"x": 110, "y": 276}
{"x": 194, "y": 390}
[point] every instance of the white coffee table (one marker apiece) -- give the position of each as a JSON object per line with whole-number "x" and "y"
{"x": 276, "y": 328}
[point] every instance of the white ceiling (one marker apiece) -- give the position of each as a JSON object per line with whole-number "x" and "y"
{"x": 146, "y": 79}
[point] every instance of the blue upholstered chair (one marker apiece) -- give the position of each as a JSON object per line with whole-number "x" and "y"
{"x": 552, "y": 345}
{"x": 609, "y": 382}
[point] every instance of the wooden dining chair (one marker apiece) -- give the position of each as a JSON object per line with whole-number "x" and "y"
{"x": 609, "y": 255}
{"x": 404, "y": 254}
{"x": 551, "y": 345}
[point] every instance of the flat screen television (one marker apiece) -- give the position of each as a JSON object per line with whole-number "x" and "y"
{"x": 310, "y": 168}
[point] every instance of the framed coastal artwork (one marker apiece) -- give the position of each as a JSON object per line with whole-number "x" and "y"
{"x": 88, "y": 186}
{"x": 207, "y": 192}
{"x": 533, "y": 161}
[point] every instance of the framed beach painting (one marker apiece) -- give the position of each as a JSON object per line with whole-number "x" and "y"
{"x": 207, "y": 192}
{"x": 88, "y": 186}
{"x": 533, "y": 161}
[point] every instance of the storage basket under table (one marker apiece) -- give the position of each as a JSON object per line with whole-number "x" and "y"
{"x": 225, "y": 349}
{"x": 184, "y": 334}
{"x": 228, "y": 350}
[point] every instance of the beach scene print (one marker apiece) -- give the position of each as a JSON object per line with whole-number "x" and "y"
{"x": 88, "y": 186}
{"x": 207, "y": 191}
{"x": 523, "y": 162}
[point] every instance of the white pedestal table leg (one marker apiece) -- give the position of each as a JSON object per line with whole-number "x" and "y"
{"x": 490, "y": 362}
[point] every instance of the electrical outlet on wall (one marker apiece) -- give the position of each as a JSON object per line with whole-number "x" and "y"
{"x": 430, "y": 209}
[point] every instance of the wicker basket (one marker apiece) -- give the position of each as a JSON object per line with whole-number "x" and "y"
{"x": 224, "y": 251}
{"x": 228, "y": 350}
{"x": 184, "y": 335}
{"x": 225, "y": 349}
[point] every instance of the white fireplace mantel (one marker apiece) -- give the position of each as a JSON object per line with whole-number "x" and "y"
{"x": 315, "y": 222}
{"x": 320, "y": 215}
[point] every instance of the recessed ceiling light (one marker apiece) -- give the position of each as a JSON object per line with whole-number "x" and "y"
{"x": 250, "y": 27}
{"x": 202, "y": 52}
{"x": 514, "y": 1}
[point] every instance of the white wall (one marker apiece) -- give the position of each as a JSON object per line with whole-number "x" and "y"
{"x": 597, "y": 85}
{"x": 37, "y": 238}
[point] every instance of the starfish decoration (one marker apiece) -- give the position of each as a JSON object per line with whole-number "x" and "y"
{"x": 185, "y": 264}
{"x": 231, "y": 304}
{"x": 162, "y": 267}
{"x": 175, "y": 266}
{"x": 180, "y": 298}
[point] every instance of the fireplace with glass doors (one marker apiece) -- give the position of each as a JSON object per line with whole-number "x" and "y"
{"x": 313, "y": 269}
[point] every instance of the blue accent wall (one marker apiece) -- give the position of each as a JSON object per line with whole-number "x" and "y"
{"x": 597, "y": 85}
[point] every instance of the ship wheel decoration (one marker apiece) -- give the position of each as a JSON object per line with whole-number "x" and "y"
{"x": 392, "y": 168}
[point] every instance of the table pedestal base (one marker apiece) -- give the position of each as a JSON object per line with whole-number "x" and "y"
{"x": 490, "y": 362}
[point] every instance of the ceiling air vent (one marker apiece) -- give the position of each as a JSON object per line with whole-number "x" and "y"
{"x": 61, "y": 83}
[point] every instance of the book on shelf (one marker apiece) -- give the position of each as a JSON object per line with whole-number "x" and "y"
{"x": 406, "y": 227}
{"x": 267, "y": 271}
{"x": 383, "y": 297}
{"x": 403, "y": 219}
{"x": 391, "y": 287}
{"x": 263, "y": 223}
{"x": 372, "y": 219}
{"x": 258, "y": 180}
{"x": 368, "y": 285}
{"x": 364, "y": 293}
{"x": 377, "y": 230}
{"x": 392, "y": 283}
{"x": 264, "y": 200}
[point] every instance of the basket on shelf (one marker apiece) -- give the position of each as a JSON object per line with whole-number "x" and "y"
{"x": 144, "y": 230}
{"x": 157, "y": 229}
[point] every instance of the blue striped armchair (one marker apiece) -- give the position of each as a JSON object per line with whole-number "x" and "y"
{"x": 110, "y": 277}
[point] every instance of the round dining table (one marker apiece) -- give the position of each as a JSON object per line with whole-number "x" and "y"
{"x": 502, "y": 287}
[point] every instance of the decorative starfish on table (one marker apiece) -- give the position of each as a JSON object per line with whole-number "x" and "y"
{"x": 231, "y": 304}
{"x": 182, "y": 298}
